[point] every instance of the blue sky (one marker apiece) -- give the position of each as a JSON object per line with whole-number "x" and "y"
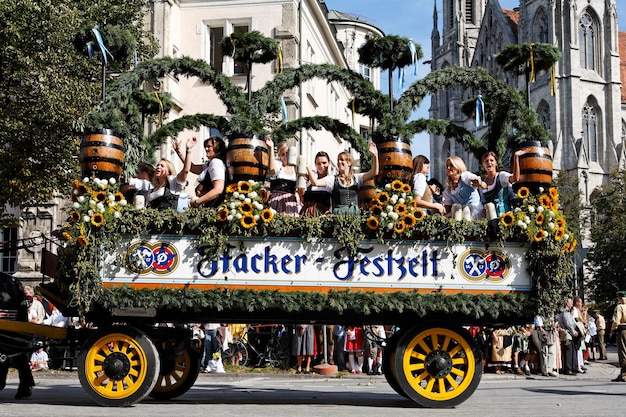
{"x": 414, "y": 19}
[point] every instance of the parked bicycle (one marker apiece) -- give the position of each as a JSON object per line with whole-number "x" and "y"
{"x": 244, "y": 349}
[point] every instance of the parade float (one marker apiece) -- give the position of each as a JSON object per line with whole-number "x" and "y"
{"x": 127, "y": 269}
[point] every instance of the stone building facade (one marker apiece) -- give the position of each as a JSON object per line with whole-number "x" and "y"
{"x": 307, "y": 33}
{"x": 585, "y": 117}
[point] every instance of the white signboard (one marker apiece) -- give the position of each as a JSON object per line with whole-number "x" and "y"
{"x": 294, "y": 264}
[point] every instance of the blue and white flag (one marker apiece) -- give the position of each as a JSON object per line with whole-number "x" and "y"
{"x": 480, "y": 112}
{"x": 103, "y": 49}
{"x": 413, "y": 52}
{"x": 401, "y": 80}
{"x": 283, "y": 107}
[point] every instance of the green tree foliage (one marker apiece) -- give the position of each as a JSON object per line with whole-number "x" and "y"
{"x": 47, "y": 87}
{"x": 606, "y": 258}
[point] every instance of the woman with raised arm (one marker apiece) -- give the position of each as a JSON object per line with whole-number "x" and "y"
{"x": 345, "y": 185}
{"x": 166, "y": 184}
{"x": 316, "y": 200}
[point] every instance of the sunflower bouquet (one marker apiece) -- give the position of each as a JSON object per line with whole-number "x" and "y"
{"x": 394, "y": 209}
{"x": 245, "y": 205}
{"x": 95, "y": 203}
{"x": 538, "y": 218}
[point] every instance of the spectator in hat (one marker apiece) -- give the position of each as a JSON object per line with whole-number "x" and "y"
{"x": 619, "y": 325}
{"x": 600, "y": 329}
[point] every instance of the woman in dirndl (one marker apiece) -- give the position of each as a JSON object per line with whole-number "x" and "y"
{"x": 282, "y": 178}
{"x": 316, "y": 200}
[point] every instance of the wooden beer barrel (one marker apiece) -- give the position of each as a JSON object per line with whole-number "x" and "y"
{"x": 395, "y": 161}
{"x": 101, "y": 155}
{"x": 535, "y": 167}
{"x": 247, "y": 158}
{"x": 366, "y": 194}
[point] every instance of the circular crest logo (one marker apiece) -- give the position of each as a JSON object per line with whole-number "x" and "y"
{"x": 477, "y": 265}
{"x": 160, "y": 258}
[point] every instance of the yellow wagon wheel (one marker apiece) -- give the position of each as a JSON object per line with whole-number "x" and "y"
{"x": 118, "y": 366}
{"x": 180, "y": 366}
{"x": 438, "y": 364}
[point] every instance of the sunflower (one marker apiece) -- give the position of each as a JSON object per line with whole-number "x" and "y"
{"x": 559, "y": 233}
{"x": 100, "y": 196}
{"x": 97, "y": 219}
{"x": 507, "y": 219}
{"x": 523, "y": 192}
{"x": 82, "y": 241}
{"x": 372, "y": 223}
{"x": 66, "y": 236}
{"x": 248, "y": 221}
{"x": 555, "y": 206}
{"x": 398, "y": 227}
{"x": 82, "y": 189}
{"x": 573, "y": 246}
{"x": 246, "y": 208}
{"x": 75, "y": 216}
{"x": 406, "y": 188}
{"x": 118, "y": 196}
{"x": 376, "y": 209}
{"x": 560, "y": 223}
{"x": 382, "y": 198}
{"x": 545, "y": 201}
{"x": 539, "y": 235}
{"x": 409, "y": 220}
{"x": 231, "y": 188}
{"x": 401, "y": 209}
{"x": 264, "y": 194}
{"x": 419, "y": 215}
{"x": 565, "y": 248}
{"x": 267, "y": 215}
{"x": 554, "y": 194}
{"x": 222, "y": 214}
{"x": 539, "y": 219}
{"x": 244, "y": 187}
{"x": 396, "y": 185}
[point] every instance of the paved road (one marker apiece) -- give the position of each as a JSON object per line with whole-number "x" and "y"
{"x": 590, "y": 394}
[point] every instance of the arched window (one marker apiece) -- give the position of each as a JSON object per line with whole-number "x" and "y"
{"x": 543, "y": 115}
{"x": 587, "y": 31}
{"x": 590, "y": 130}
{"x": 540, "y": 27}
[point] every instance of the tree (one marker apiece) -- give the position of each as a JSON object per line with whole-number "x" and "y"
{"x": 47, "y": 87}
{"x": 606, "y": 258}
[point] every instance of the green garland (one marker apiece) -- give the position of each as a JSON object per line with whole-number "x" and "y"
{"x": 516, "y": 58}
{"x": 549, "y": 267}
{"x": 388, "y": 52}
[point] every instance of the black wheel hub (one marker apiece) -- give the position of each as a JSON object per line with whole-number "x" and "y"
{"x": 438, "y": 363}
{"x": 116, "y": 366}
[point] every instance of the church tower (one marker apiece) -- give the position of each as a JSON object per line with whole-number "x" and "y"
{"x": 453, "y": 46}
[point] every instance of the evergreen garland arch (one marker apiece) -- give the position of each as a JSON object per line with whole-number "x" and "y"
{"x": 511, "y": 109}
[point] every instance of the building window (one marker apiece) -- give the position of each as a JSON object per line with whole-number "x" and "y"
{"x": 543, "y": 115}
{"x": 587, "y": 39}
{"x": 469, "y": 12}
{"x": 217, "y": 32}
{"x": 590, "y": 131}
{"x": 540, "y": 29}
{"x": 365, "y": 72}
{"x": 8, "y": 254}
{"x": 333, "y": 100}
